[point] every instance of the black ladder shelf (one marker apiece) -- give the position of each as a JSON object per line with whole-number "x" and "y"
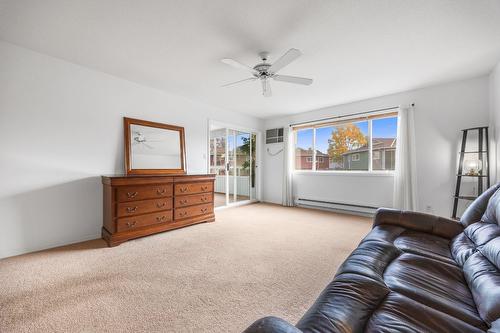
{"x": 482, "y": 174}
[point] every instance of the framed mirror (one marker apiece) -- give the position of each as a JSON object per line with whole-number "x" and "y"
{"x": 153, "y": 148}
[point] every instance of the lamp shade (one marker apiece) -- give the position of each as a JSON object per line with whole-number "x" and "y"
{"x": 473, "y": 166}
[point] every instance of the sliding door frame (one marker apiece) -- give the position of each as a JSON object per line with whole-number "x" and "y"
{"x": 258, "y": 159}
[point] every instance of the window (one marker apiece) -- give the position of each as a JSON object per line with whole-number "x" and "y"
{"x": 347, "y": 145}
{"x": 384, "y": 132}
{"x": 339, "y": 143}
{"x": 304, "y": 149}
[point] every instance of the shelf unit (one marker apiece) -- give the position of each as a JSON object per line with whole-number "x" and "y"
{"x": 483, "y": 156}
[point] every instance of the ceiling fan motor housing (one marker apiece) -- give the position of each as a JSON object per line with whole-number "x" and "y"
{"x": 262, "y": 69}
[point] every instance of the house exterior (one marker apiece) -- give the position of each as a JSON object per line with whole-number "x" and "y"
{"x": 304, "y": 158}
{"x": 384, "y": 156}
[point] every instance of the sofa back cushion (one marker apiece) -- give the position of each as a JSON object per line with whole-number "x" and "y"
{"x": 492, "y": 213}
{"x": 474, "y": 213}
{"x": 483, "y": 278}
{"x": 477, "y": 249}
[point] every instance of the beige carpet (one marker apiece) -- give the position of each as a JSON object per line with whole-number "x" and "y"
{"x": 220, "y": 199}
{"x": 254, "y": 261}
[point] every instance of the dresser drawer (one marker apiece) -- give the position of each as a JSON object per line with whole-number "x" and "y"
{"x": 143, "y": 206}
{"x": 182, "y": 213}
{"x": 132, "y": 193}
{"x": 192, "y": 188}
{"x": 129, "y": 223}
{"x": 195, "y": 199}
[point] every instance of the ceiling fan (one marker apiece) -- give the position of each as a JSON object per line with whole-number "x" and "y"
{"x": 265, "y": 71}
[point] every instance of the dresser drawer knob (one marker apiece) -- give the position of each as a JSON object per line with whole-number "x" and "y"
{"x": 160, "y": 205}
{"x": 131, "y": 224}
{"x": 161, "y": 191}
{"x": 132, "y": 209}
{"x": 183, "y": 201}
{"x": 182, "y": 214}
{"x": 161, "y": 218}
{"x": 204, "y": 210}
{"x": 183, "y": 189}
{"x": 131, "y": 195}
{"x": 203, "y": 199}
{"x": 204, "y": 188}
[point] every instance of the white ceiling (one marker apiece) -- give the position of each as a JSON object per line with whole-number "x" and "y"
{"x": 352, "y": 49}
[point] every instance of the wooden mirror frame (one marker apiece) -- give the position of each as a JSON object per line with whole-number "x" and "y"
{"x": 131, "y": 121}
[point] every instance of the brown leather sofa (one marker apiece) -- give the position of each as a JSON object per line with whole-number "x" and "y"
{"x": 414, "y": 272}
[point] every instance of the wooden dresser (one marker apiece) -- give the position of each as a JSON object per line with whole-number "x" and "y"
{"x": 136, "y": 206}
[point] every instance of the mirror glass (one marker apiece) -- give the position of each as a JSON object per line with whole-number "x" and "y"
{"x": 153, "y": 148}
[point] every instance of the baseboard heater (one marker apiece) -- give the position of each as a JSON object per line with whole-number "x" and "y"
{"x": 337, "y": 206}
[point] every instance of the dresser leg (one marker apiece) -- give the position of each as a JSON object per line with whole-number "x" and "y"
{"x": 107, "y": 237}
{"x": 113, "y": 244}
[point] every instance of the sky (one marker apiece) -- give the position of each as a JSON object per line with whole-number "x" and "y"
{"x": 382, "y": 128}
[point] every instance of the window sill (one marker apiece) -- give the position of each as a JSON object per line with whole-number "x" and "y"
{"x": 345, "y": 173}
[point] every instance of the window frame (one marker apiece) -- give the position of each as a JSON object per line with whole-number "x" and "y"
{"x": 358, "y": 158}
{"x": 370, "y": 170}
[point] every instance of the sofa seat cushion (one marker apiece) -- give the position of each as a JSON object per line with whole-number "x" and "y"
{"x": 345, "y": 305}
{"x": 426, "y": 245}
{"x": 435, "y": 284}
{"x": 370, "y": 259}
{"x": 407, "y": 240}
{"x": 398, "y": 313}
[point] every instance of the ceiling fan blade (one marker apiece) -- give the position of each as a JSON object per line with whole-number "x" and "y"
{"x": 266, "y": 88}
{"x": 293, "y": 79}
{"x": 239, "y": 65}
{"x": 285, "y": 59}
{"x": 230, "y": 84}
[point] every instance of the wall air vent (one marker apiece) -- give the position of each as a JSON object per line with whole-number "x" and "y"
{"x": 274, "y": 135}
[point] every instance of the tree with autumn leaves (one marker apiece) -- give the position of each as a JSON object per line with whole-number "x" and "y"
{"x": 343, "y": 139}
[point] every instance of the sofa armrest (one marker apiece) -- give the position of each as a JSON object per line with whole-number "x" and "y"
{"x": 272, "y": 325}
{"x": 433, "y": 224}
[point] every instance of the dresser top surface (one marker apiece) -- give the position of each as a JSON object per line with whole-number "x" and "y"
{"x": 123, "y": 179}
{"x": 123, "y": 175}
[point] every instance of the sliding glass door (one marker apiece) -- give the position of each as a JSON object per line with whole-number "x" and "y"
{"x": 233, "y": 160}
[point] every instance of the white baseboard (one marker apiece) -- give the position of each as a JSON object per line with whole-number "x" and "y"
{"x": 346, "y": 208}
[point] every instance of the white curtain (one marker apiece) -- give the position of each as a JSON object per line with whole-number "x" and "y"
{"x": 287, "y": 197}
{"x": 405, "y": 177}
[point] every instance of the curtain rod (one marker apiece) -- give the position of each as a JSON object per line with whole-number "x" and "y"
{"x": 347, "y": 115}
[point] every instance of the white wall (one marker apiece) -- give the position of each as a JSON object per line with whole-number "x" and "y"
{"x": 60, "y": 129}
{"x": 440, "y": 113}
{"x": 495, "y": 123}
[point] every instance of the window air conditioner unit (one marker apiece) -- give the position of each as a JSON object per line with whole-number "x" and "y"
{"x": 274, "y": 135}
